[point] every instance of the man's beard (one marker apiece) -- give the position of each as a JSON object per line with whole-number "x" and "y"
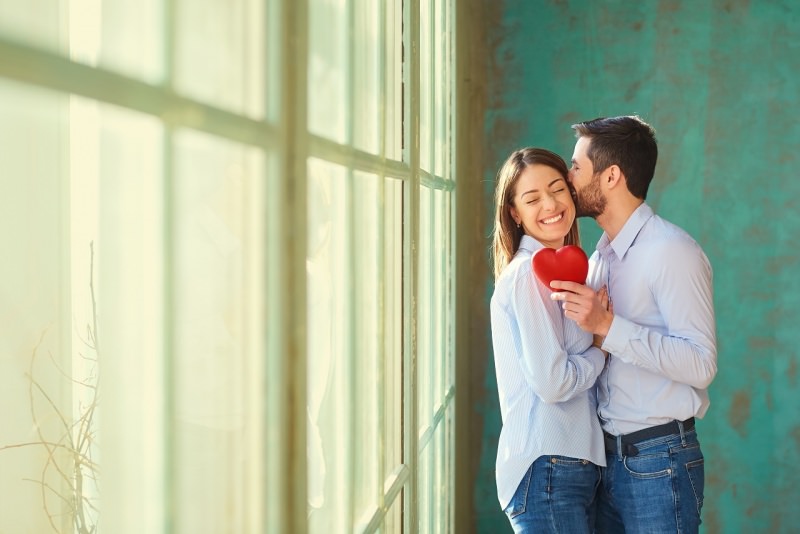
{"x": 589, "y": 201}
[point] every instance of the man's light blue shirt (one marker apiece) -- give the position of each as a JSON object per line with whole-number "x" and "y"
{"x": 546, "y": 370}
{"x": 662, "y": 341}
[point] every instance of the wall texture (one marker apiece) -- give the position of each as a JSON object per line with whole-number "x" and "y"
{"x": 720, "y": 82}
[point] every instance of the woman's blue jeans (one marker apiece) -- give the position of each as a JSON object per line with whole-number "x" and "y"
{"x": 556, "y": 496}
{"x": 660, "y": 490}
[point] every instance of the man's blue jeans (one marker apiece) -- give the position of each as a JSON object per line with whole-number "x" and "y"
{"x": 660, "y": 490}
{"x": 556, "y": 496}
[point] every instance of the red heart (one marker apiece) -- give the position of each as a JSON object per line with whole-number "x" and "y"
{"x": 567, "y": 263}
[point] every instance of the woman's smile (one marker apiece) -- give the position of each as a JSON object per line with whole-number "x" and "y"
{"x": 553, "y": 219}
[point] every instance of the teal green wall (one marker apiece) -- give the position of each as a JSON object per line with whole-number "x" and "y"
{"x": 720, "y": 82}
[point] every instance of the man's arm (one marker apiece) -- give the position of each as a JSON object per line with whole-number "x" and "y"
{"x": 682, "y": 288}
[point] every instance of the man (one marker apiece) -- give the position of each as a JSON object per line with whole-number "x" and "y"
{"x": 659, "y": 331}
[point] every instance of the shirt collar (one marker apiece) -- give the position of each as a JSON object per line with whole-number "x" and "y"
{"x": 529, "y": 244}
{"x": 627, "y": 235}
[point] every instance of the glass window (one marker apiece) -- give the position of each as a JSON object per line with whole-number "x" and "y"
{"x": 238, "y": 216}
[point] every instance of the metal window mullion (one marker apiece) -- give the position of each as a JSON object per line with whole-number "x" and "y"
{"x": 398, "y": 479}
{"x": 446, "y": 228}
{"x": 383, "y": 29}
{"x": 352, "y": 347}
{"x": 450, "y": 58}
{"x": 286, "y": 436}
{"x": 171, "y": 452}
{"x": 432, "y": 304}
{"x": 411, "y": 132}
{"x": 47, "y": 69}
{"x": 432, "y": 84}
{"x": 439, "y": 414}
{"x": 448, "y": 124}
{"x": 382, "y": 355}
{"x": 434, "y": 182}
{"x": 348, "y": 156}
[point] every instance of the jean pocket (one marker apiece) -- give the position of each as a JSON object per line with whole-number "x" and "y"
{"x": 519, "y": 501}
{"x": 696, "y": 471}
{"x": 648, "y": 465}
{"x": 566, "y": 461}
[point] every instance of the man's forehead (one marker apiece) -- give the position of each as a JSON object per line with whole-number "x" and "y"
{"x": 581, "y": 146}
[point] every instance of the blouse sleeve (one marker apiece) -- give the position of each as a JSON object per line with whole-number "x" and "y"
{"x": 553, "y": 373}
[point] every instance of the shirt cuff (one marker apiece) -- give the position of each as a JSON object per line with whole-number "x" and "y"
{"x": 619, "y": 336}
{"x": 597, "y": 359}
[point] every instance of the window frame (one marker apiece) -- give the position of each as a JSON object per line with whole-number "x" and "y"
{"x": 285, "y": 131}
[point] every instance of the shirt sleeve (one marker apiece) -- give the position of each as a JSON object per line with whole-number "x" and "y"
{"x": 554, "y": 375}
{"x": 682, "y": 287}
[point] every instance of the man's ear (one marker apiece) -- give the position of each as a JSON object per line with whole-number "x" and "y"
{"x": 612, "y": 177}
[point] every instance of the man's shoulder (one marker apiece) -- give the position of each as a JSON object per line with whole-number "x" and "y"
{"x": 660, "y": 232}
{"x": 669, "y": 242}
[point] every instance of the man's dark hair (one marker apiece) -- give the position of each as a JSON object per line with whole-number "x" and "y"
{"x": 628, "y": 142}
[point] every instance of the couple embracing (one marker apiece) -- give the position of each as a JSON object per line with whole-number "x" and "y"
{"x": 599, "y": 384}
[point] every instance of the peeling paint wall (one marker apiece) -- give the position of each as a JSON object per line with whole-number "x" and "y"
{"x": 720, "y": 82}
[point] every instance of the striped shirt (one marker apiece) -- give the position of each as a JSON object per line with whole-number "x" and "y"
{"x": 546, "y": 370}
{"x": 662, "y": 341}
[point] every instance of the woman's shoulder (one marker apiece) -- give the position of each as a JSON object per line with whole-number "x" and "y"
{"x": 519, "y": 267}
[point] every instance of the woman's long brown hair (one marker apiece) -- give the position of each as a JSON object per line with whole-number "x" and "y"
{"x": 506, "y": 235}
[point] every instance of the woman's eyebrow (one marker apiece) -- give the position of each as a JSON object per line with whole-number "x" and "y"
{"x": 536, "y": 190}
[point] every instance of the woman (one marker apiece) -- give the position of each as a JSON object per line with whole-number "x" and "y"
{"x": 551, "y": 443}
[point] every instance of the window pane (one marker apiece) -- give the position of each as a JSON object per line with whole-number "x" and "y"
{"x": 426, "y": 85}
{"x": 438, "y": 265}
{"x": 369, "y": 355}
{"x": 216, "y": 365}
{"x": 449, "y": 283}
{"x": 393, "y": 521}
{"x": 37, "y": 23}
{"x": 425, "y": 490}
{"x": 132, "y": 38}
{"x": 441, "y": 91}
{"x": 159, "y": 258}
{"x": 366, "y": 92}
{"x": 327, "y": 69}
{"x": 426, "y": 308}
{"x": 220, "y": 54}
{"x": 35, "y": 313}
{"x": 329, "y": 344}
{"x": 393, "y": 79}
{"x": 126, "y": 149}
{"x": 393, "y": 325}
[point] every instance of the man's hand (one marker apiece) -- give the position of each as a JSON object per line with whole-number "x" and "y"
{"x": 583, "y": 305}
